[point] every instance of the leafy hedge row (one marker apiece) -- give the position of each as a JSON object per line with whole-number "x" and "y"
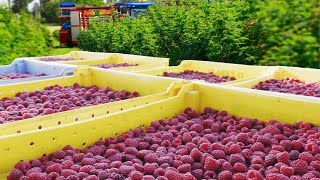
{"x": 246, "y": 32}
{"x": 21, "y": 36}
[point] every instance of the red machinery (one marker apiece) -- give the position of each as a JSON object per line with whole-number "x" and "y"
{"x": 74, "y": 19}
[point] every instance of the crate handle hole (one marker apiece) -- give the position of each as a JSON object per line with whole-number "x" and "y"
{"x": 121, "y": 109}
{"x": 92, "y": 115}
{"x": 53, "y": 139}
{"x": 116, "y": 134}
{"x": 77, "y": 119}
{"x": 59, "y": 122}
{"x": 32, "y": 143}
{"x": 83, "y": 144}
{"x": 18, "y": 131}
{"x": 44, "y": 154}
{"x": 39, "y": 127}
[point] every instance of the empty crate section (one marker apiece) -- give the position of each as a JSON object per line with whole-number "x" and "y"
{"x": 72, "y": 56}
{"x": 124, "y": 62}
{"x": 89, "y": 93}
{"x": 230, "y": 105}
{"x": 289, "y": 80}
{"x": 22, "y": 70}
{"x": 211, "y": 72}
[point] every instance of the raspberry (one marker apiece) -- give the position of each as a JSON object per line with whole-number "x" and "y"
{"x": 297, "y": 145}
{"x": 165, "y": 159}
{"x": 239, "y": 176}
{"x": 173, "y": 175}
{"x": 78, "y": 157}
{"x": 184, "y": 168}
{"x": 110, "y": 152}
{"x": 197, "y": 128}
{"x": 151, "y": 158}
{"x": 138, "y": 167}
{"x": 186, "y": 137}
{"x": 234, "y": 149}
{"x": 66, "y": 164}
{"x": 149, "y": 168}
{"x": 92, "y": 177}
{"x": 205, "y": 147}
{"x": 88, "y": 161}
{"x": 116, "y": 157}
{"x": 299, "y": 166}
{"x": 136, "y": 175}
{"x": 257, "y": 160}
{"x": 270, "y": 159}
{"x": 33, "y": 176}
{"x": 294, "y": 154}
{"x": 53, "y": 175}
{"x": 195, "y": 154}
{"x": 253, "y": 174}
{"x": 283, "y": 157}
{"x": 176, "y": 142}
{"x": 54, "y": 168}
{"x": 225, "y": 175}
{"x": 242, "y": 137}
{"x": 210, "y": 175}
{"x": 285, "y": 170}
{"x": 308, "y": 176}
{"x": 274, "y": 176}
{"x": 22, "y": 166}
{"x": 226, "y": 166}
{"x": 187, "y": 159}
{"x": 234, "y": 158}
{"x": 86, "y": 168}
{"x": 15, "y": 174}
{"x": 148, "y": 177}
{"x": 59, "y": 154}
{"x": 286, "y": 144}
{"x": 82, "y": 175}
{"x": 188, "y": 176}
{"x": 308, "y": 157}
{"x": 126, "y": 170}
{"x": 68, "y": 172}
{"x": 258, "y": 146}
{"x": 96, "y": 150}
{"x": 131, "y": 143}
{"x": 239, "y": 167}
{"x": 315, "y": 165}
{"x": 218, "y": 154}
{"x": 312, "y": 148}
{"x": 115, "y": 164}
{"x": 210, "y": 164}
{"x": 159, "y": 172}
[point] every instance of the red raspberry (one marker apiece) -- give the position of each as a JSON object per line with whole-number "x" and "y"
{"x": 226, "y": 166}
{"x": 218, "y": 154}
{"x": 239, "y": 167}
{"x": 15, "y": 174}
{"x": 159, "y": 172}
{"x": 88, "y": 161}
{"x": 258, "y": 146}
{"x": 253, "y": 174}
{"x": 283, "y": 157}
{"x": 315, "y": 165}
{"x": 205, "y": 147}
{"x": 234, "y": 158}
{"x": 165, "y": 159}
{"x": 87, "y": 168}
{"x": 225, "y": 175}
{"x": 22, "y": 166}
{"x": 103, "y": 175}
{"x": 184, "y": 168}
{"x": 286, "y": 144}
{"x": 149, "y": 168}
{"x": 312, "y": 148}
{"x": 151, "y": 158}
{"x": 257, "y": 160}
{"x": 176, "y": 142}
{"x": 285, "y": 170}
{"x": 188, "y": 176}
{"x": 52, "y": 175}
{"x": 274, "y": 176}
{"x": 296, "y": 178}
{"x": 111, "y": 152}
{"x": 59, "y": 154}
{"x": 266, "y": 141}
{"x": 33, "y": 176}
{"x": 299, "y": 166}
{"x": 308, "y": 157}
{"x": 173, "y": 175}
{"x": 294, "y": 154}
{"x": 54, "y": 168}
{"x": 195, "y": 154}
{"x": 305, "y": 126}
{"x": 143, "y": 145}
{"x": 242, "y": 137}
{"x": 239, "y": 176}
{"x": 270, "y": 160}
{"x": 234, "y": 149}
{"x": 82, "y": 175}
{"x": 308, "y": 176}
{"x": 92, "y": 177}
{"x": 297, "y": 145}
{"x": 198, "y": 173}
{"x": 78, "y": 157}
{"x": 197, "y": 128}
{"x": 68, "y": 172}
{"x": 207, "y": 123}
{"x": 136, "y": 175}
{"x": 138, "y": 167}
{"x": 126, "y": 170}
{"x": 96, "y": 150}
{"x": 211, "y": 164}
{"x": 210, "y": 175}
{"x": 66, "y": 164}
{"x": 187, "y": 159}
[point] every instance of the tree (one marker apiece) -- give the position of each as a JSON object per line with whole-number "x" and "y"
{"x": 36, "y": 10}
{"x": 20, "y": 5}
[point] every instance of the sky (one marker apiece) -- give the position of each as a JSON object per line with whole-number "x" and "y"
{"x": 5, "y": 2}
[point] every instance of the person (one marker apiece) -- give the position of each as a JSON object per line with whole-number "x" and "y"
{"x": 66, "y": 25}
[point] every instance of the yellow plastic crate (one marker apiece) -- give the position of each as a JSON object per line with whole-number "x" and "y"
{"x": 240, "y": 72}
{"x": 144, "y": 62}
{"x": 304, "y": 74}
{"x": 241, "y": 103}
{"x": 160, "y": 89}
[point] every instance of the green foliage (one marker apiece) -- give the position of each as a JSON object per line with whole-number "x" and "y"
{"x": 56, "y": 34}
{"x": 21, "y": 36}
{"x": 20, "y": 5}
{"x": 246, "y": 32}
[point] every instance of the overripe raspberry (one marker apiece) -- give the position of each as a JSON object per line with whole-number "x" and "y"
{"x": 294, "y": 154}
{"x": 225, "y": 175}
{"x": 239, "y": 167}
{"x": 299, "y": 166}
{"x": 210, "y": 164}
{"x": 308, "y": 157}
{"x": 173, "y": 175}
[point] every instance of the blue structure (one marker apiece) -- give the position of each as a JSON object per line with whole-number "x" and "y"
{"x": 67, "y": 4}
{"x": 135, "y": 4}
{"x": 133, "y": 8}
